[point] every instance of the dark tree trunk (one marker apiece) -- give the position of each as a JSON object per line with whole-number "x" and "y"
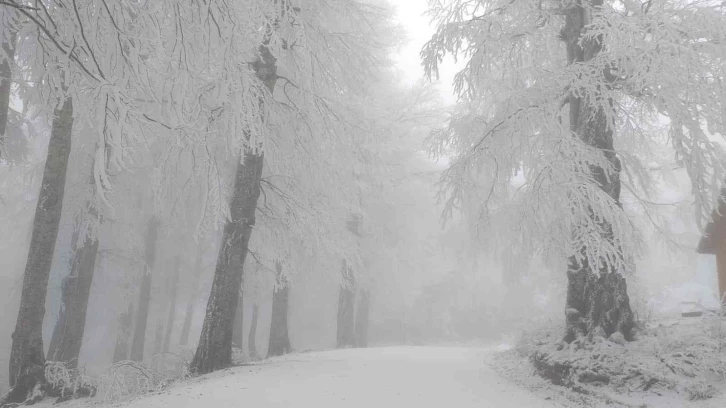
{"x": 60, "y": 323}
{"x": 27, "y": 359}
{"x": 214, "y": 351}
{"x": 346, "y": 309}
{"x": 279, "y": 339}
{"x": 191, "y": 302}
{"x": 252, "y": 341}
{"x": 172, "y": 305}
{"x": 123, "y": 336}
{"x": 238, "y": 332}
{"x": 361, "y": 320}
{"x": 6, "y": 74}
{"x": 597, "y": 300}
{"x": 142, "y": 311}
{"x": 65, "y": 344}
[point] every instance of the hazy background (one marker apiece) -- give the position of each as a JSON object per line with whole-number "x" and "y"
{"x": 456, "y": 292}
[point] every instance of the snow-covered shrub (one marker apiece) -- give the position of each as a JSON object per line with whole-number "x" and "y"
{"x": 129, "y": 379}
{"x": 700, "y": 391}
{"x": 68, "y": 382}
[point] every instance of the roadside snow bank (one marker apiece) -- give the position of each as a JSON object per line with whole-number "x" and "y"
{"x": 673, "y": 362}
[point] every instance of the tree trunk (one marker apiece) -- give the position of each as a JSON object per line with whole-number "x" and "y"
{"x": 142, "y": 311}
{"x": 361, "y": 320}
{"x": 6, "y": 72}
{"x": 214, "y": 351}
{"x": 191, "y": 302}
{"x": 67, "y": 337}
{"x": 597, "y": 300}
{"x": 346, "y": 309}
{"x": 279, "y": 339}
{"x": 27, "y": 360}
{"x": 252, "y": 340}
{"x": 60, "y": 323}
{"x": 172, "y": 306}
{"x": 238, "y": 332}
{"x": 123, "y": 336}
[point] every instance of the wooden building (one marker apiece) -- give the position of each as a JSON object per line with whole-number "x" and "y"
{"x": 714, "y": 242}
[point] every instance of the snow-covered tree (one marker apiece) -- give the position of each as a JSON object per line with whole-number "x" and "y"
{"x": 567, "y": 101}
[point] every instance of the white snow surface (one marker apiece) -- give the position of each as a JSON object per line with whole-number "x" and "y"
{"x": 403, "y": 376}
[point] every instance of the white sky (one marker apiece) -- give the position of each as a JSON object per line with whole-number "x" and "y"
{"x": 410, "y": 13}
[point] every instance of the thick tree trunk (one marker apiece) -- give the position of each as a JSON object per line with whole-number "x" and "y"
{"x": 361, "y": 320}
{"x": 191, "y": 302}
{"x": 346, "y": 309}
{"x": 123, "y": 335}
{"x": 27, "y": 359}
{"x": 6, "y": 73}
{"x": 252, "y": 340}
{"x": 142, "y": 311}
{"x": 214, "y": 351}
{"x": 279, "y": 339}
{"x": 67, "y": 337}
{"x": 597, "y": 300}
{"x": 238, "y": 332}
{"x": 172, "y": 305}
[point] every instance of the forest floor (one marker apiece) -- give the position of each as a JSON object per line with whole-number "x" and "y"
{"x": 674, "y": 362}
{"x": 403, "y": 376}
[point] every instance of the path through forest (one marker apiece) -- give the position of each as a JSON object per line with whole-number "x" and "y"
{"x": 373, "y": 377}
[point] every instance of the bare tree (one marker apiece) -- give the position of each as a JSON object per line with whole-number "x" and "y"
{"x": 124, "y": 334}
{"x": 7, "y": 42}
{"x": 346, "y": 308}
{"x": 192, "y": 300}
{"x": 65, "y": 344}
{"x": 142, "y": 309}
{"x": 279, "y": 343}
{"x": 215, "y": 344}
{"x": 252, "y": 339}
{"x": 27, "y": 358}
{"x": 173, "y": 285}
{"x": 361, "y": 319}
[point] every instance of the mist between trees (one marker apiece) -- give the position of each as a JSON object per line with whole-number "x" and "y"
{"x": 190, "y": 185}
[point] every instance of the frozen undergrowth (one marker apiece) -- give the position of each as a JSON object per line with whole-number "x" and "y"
{"x": 673, "y": 362}
{"x": 122, "y": 381}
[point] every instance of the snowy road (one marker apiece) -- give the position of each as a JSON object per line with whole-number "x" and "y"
{"x": 442, "y": 377}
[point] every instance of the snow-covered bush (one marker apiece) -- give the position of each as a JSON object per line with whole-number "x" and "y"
{"x": 68, "y": 382}
{"x": 129, "y": 379}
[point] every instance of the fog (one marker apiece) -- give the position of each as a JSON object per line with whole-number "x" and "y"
{"x": 186, "y": 188}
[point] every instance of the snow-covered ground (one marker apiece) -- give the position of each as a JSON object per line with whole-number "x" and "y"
{"x": 404, "y": 376}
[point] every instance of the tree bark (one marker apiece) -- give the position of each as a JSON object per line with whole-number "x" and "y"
{"x": 27, "y": 360}
{"x": 191, "y": 302}
{"x": 597, "y": 300}
{"x": 361, "y": 320}
{"x": 214, "y": 351}
{"x": 142, "y": 311}
{"x": 279, "y": 338}
{"x": 67, "y": 336}
{"x": 123, "y": 336}
{"x": 238, "y": 332}
{"x": 252, "y": 340}
{"x": 172, "y": 305}
{"x": 346, "y": 309}
{"x": 6, "y": 72}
